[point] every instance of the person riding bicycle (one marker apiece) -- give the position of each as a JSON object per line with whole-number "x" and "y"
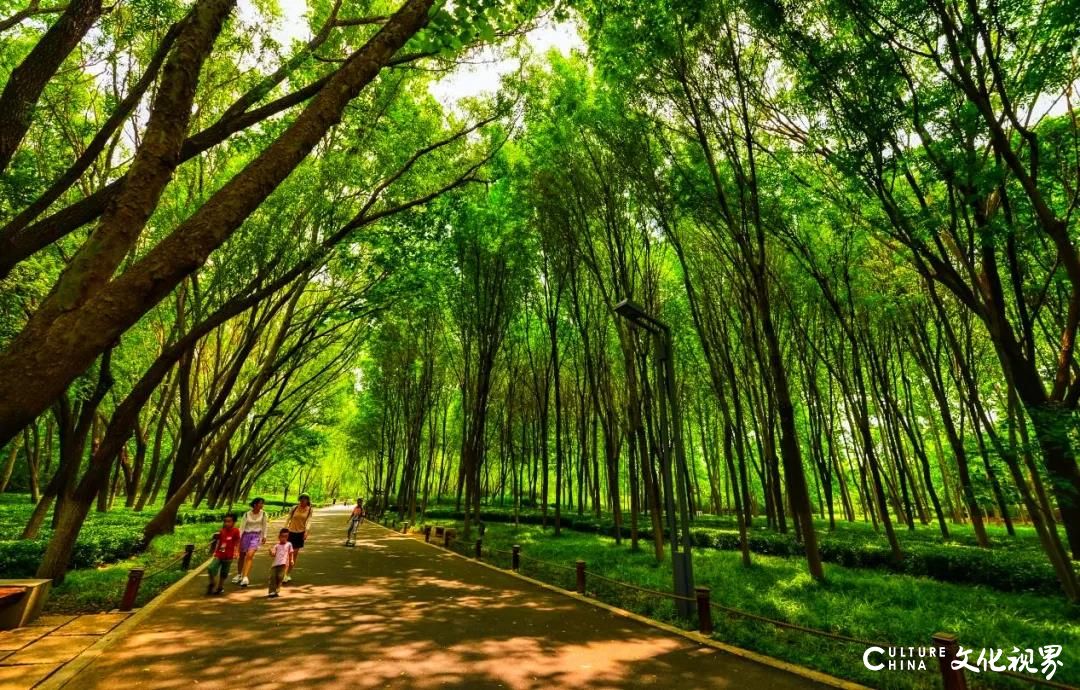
{"x": 355, "y": 519}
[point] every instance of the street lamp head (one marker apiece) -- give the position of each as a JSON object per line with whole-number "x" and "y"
{"x": 635, "y": 314}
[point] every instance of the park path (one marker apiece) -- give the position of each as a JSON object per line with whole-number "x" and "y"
{"x": 396, "y": 613}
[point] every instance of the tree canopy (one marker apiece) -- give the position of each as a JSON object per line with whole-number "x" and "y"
{"x": 229, "y": 264}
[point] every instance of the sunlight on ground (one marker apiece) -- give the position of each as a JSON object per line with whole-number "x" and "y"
{"x": 405, "y": 615}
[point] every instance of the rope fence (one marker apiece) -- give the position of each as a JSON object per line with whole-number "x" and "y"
{"x": 136, "y": 576}
{"x": 167, "y": 566}
{"x": 643, "y": 590}
{"x": 795, "y": 626}
{"x": 590, "y": 584}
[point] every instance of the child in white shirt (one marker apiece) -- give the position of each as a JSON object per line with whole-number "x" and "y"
{"x": 281, "y": 552}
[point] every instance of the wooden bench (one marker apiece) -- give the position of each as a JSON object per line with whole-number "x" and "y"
{"x": 10, "y": 595}
{"x": 21, "y": 601}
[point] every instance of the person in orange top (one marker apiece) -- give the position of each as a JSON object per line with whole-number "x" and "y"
{"x": 299, "y": 526}
{"x": 227, "y": 541}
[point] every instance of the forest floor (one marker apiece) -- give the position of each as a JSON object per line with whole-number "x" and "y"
{"x": 395, "y": 613}
{"x": 865, "y": 603}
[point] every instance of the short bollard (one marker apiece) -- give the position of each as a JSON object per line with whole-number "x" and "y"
{"x": 515, "y": 558}
{"x": 951, "y": 679}
{"x": 131, "y": 591}
{"x": 405, "y": 527}
{"x": 704, "y": 611}
{"x": 580, "y": 577}
{"x": 448, "y": 536}
{"x": 427, "y": 533}
{"x": 479, "y": 549}
{"x": 189, "y": 551}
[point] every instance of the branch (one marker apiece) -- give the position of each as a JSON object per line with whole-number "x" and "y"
{"x": 31, "y": 10}
{"x": 361, "y": 21}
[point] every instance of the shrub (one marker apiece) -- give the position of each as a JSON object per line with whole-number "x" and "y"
{"x": 20, "y": 558}
{"x": 97, "y": 544}
{"x": 105, "y": 538}
{"x": 1003, "y": 567}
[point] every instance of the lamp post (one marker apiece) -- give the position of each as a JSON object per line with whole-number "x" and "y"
{"x": 671, "y": 438}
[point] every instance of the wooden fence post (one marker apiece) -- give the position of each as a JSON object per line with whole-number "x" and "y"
{"x": 189, "y": 551}
{"x": 580, "y": 576}
{"x": 515, "y": 559}
{"x": 704, "y": 611}
{"x": 448, "y": 536}
{"x": 131, "y": 590}
{"x": 405, "y": 527}
{"x": 947, "y": 648}
{"x": 479, "y": 549}
{"x": 427, "y": 533}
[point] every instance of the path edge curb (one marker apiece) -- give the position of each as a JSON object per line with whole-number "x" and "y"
{"x": 693, "y": 636}
{"x": 68, "y": 672}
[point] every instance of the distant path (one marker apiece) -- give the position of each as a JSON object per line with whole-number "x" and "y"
{"x": 395, "y": 613}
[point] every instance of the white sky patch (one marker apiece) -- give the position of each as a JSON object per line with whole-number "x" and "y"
{"x": 292, "y": 24}
{"x": 481, "y": 75}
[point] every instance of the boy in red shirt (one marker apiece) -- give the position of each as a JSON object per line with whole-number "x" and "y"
{"x": 227, "y": 541}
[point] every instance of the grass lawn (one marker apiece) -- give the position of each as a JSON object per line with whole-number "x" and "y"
{"x": 1012, "y": 564}
{"x": 99, "y": 589}
{"x": 864, "y": 603}
{"x": 106, "y": 540}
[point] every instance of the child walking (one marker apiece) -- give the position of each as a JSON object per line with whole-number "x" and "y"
{"x": 227, "y": 541}
{"x": 281, "y": 552}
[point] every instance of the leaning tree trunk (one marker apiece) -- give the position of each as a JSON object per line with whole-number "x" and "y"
{"x": 52, "y": 350}
{"x": 28, "y": 80}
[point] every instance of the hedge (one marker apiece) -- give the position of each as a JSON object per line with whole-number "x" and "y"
{"x": 97, "y": 544}
{"x": 999, "y": 568}
{"x": 106, "y": 538}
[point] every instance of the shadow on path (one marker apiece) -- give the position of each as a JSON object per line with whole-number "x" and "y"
{"x": 394, "y": 613}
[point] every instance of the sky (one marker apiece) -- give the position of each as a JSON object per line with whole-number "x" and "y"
{"x": 482, "y": 74}
{"x": 479, "y": 76}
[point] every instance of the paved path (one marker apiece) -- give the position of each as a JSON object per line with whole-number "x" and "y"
{"x": 31, "y": 653}
{"x": 396, "y": 613}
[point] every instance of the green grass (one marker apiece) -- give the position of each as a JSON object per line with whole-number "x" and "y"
{"x": 862, "y": 603}
{"x": 99, "y": 587}
{"x": 1013, "y": 564}
{"x": 963, "y": 534}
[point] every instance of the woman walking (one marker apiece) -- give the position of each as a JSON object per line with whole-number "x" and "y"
{"x": 299, "y": 530}
{"x": 253, "y": 528}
